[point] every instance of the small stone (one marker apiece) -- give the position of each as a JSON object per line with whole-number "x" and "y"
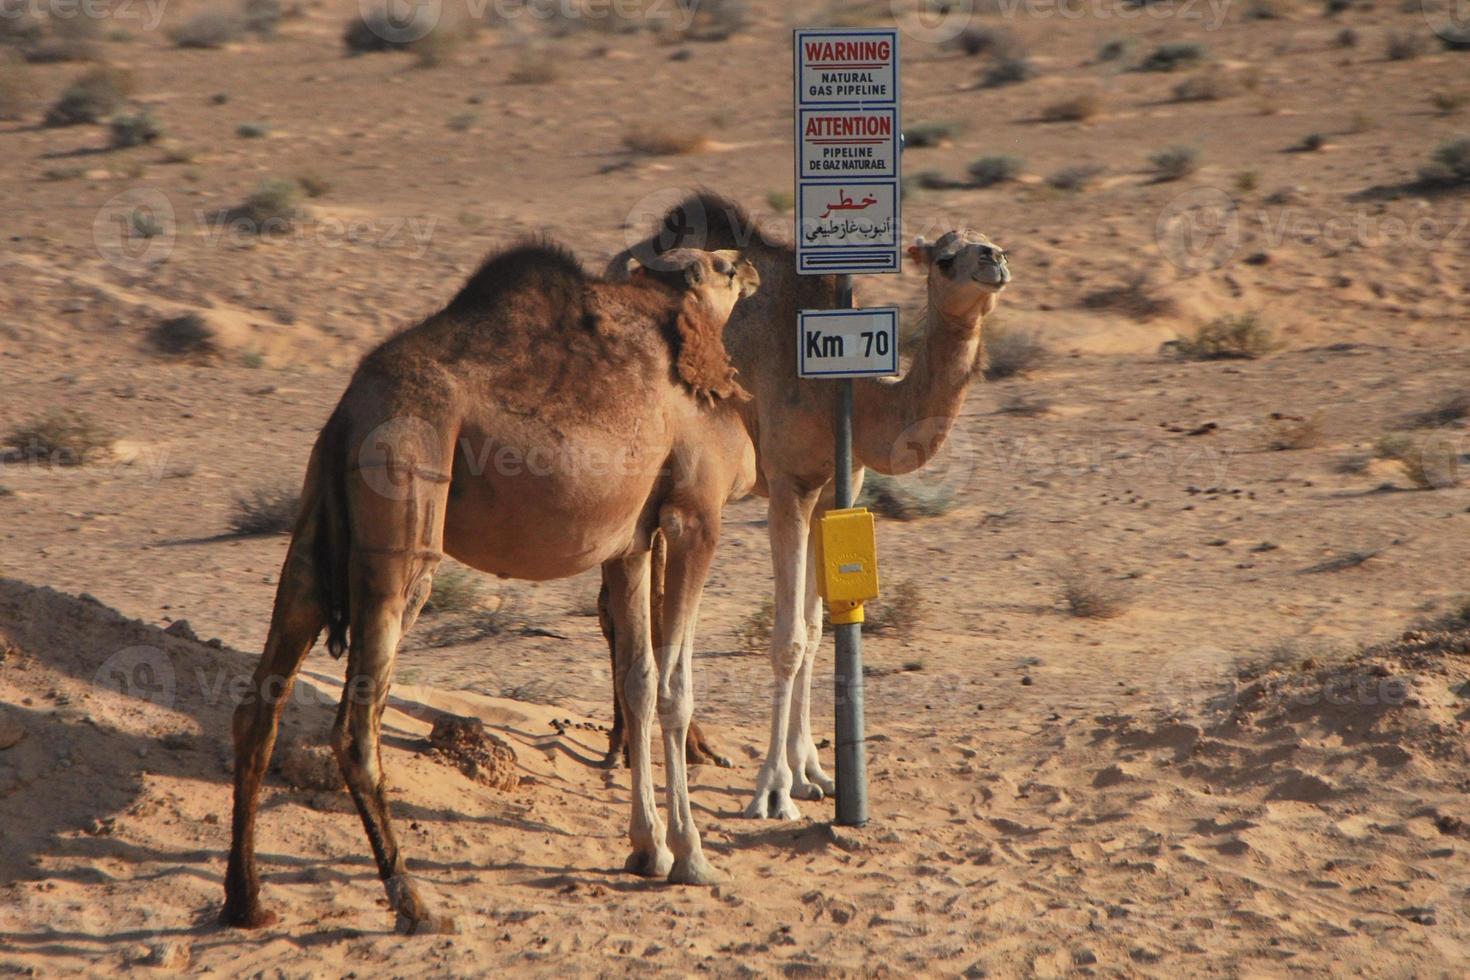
{"x": 11, "y": 732}
{"x": 1026, "y": 681}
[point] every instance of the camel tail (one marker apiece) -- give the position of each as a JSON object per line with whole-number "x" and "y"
{"x": 323, "y": 531}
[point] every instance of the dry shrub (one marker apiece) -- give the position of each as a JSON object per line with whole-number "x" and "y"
{"x": 1137, "y": 299}
{"x": 1286, "y": 432}
{"x": 1087, "y": 594}
{"x": 91, "y": 97}
{"x": 314, "y": 184}
{"x": 1075, "y": 178}
{"x": 73, "y": 38}
{"x": 975, "y": 41}
{"x": 376, "y": 31}
{"x": 899, "y": 611}
{"x": 753, "y": 633}
{"x": 275, "y": 201}
{"x": 713, "y": 20}
{"x": 652, "y": 139}
{"x": 1175, "y": 162}
{"x": 1404, "y": 46}
{"x": 456, "y": 589}
{"x": 929, "y": 134}
{"x": 1450, "y": 408}
{"x": 265, "y": 511}
{"x": 991, "y": 170}
{"x": 1010, "y": 351}
{"x": 1242, "y": 336}
{"x": 1207, "y": 86}
{"x": 1431, "y": 462}
{"x": 1449, "y": 103}
{"x": 185, "y": 335}
{"x": 532, "y": 67}
{"x": 60, "y": 438}
{"x": 1450, "y": 163}
{"x": 905, "y": 499}
{"x": 1173, "y": 56}
{"x": 1009, "y": 71}
{"x": 211, "y": 28}
{"x": 133, "y": 129}
{"x": 1077, "y": 108}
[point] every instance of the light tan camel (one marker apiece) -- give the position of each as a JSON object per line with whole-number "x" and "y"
{"x": 897, "y": 427}
{"x": 542, "y": 424}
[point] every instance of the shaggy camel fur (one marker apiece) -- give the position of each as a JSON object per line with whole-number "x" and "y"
{"x": 898, "y": 426}
{"x": 542, "y": 424}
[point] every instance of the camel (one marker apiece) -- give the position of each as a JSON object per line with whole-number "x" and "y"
{"x": 543, "y": 423}
{"x": 898, "y": 425}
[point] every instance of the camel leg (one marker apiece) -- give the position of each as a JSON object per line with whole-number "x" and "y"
{"x": 809, "y": 782}
{"x": 697, "y": 748}
{"x": 295, "y": 623}
{"x": 691, "y": 546}
{"x": 790, "y": 517}
{"x": 627, "y": 584}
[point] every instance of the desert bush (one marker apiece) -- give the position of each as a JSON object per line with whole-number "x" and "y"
{"x": 930, "y": 134}
{"x": 988, "y": 171}
{"x": 62, "y": 438}
{"x": 713, "y": 20}
{"x": 1404, "y": 45}
{"x": 1450, "y": 163}
{"x": 899, "y": 612}
{"x": 1009, "y": 71}
{"x": 275, "y": 201}
{"x": 210, "y": 28}
{"x": 134, "y": 129}
{"x": 265, "y": 510}
{"x": 1346, "y": 38}
{"x": 1450, "y": 408}
{"x": 92, "y": 96}
{"x": 1311, "y": 143}
{"x": 753, "y": 632}
{"x": 456, "y": 589}
{"x": 1078, "y": 177}
{"x": 1247, "y": 181}
{"x": 1207, "y": 86}
{"x": 1137, "y": 298}
{"x": 1284, "y": 432}
{"x": 1175, "y": 162}
{"x": 1173, "y": 56}
{"x": 262, "y": 17}
{"x": 1086, "y": 594}
{"x": 651, "y": 139}
{"x": 975, "y": 41}
{"x": 1449, "y": 103}
{"x": 1429, "y": 463}
{"x": 252, "y": 131}
{"x": 186, "y": 334}
{"x": 1242, "y": 336}
{"x": 904, "y": 500}
{"x": 376, "y": 31}
{"x": 1265, "y": 10}
{"x": 75, "y": 38}
{"x": 1113, "y": 50}
{"x": 20, "y": 27}
{"x": 1076, "y": 108}
{"x": 1010, "y": 351}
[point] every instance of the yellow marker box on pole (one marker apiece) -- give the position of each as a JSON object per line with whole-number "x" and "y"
{"x": 847, "y": 562}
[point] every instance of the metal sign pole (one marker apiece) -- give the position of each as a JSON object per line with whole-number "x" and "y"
{"x": 851, "y": 751}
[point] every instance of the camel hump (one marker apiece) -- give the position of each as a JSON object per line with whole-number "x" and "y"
{"x": 540, "y": 267}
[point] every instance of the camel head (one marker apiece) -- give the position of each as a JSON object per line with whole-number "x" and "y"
{"x": 966, "y": 273}
{"x": 720, "y": 278}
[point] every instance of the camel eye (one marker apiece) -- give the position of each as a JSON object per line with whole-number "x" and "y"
{"x": 945, "y": 262}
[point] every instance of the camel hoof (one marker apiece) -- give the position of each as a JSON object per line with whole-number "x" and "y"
{"x": 807, "y": 791}
{"x": 253, "y": 917}
{"x": 695, "y": 870}
{"x": 613, "y": 760}
{"x": 647, "y": 864}
{"x": 414, "y": 917}
{"x": 772, "y": 805}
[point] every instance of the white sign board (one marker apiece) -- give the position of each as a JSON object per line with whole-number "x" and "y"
{"x": 847, "y": 343}
{"x": 848, "y": 144}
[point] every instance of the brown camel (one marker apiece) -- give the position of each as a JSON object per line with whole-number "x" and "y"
{"x": 542, "y": 424}
{"x": 897, "y": 427}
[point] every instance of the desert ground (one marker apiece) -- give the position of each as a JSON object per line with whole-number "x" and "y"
{"x": 1176, "y": 650}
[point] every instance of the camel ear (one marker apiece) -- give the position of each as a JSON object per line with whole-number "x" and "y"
{"x": 921, "y": 253}
{"x": 750, "y": 279}
{"x": 694, "y": 273}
